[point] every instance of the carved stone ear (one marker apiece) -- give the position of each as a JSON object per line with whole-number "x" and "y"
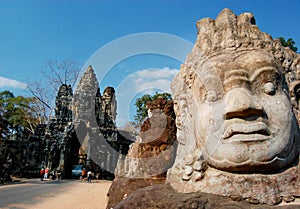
{"x": 295, "y": 91}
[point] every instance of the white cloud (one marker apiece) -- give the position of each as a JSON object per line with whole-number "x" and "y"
{"x": 163, "y": 84}
{"x": 146, "y": 81}
{"x": 10, "y": 83}
{"x": 157, "y": 73}
{"x": 154, "y": 79}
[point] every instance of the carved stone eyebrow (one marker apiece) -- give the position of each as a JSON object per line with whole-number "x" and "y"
{"x": 236, "y": 74}
{"x": 268, "y": 69}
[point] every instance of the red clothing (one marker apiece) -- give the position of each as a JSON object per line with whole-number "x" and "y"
{"x": 42, "y": 171}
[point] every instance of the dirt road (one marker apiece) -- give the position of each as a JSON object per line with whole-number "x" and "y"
{"x": 81, "y": 196}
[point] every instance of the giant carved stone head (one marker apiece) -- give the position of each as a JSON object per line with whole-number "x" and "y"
{"x": 245, "y": 122}
{"x": 235, "y": 101}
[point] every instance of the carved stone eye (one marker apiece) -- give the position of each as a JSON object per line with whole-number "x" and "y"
{"x": 211, "y": 96}
{"x": 269, "y": 88}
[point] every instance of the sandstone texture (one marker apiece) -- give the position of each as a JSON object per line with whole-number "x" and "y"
{"x": 154, "y": 150}
{"x": 164, "y": 196}
{"x": 150, "y": 156}
{"x": 238, "y": 133}
{"x": 122, "y": 187}
{"x": 236, "y": 101}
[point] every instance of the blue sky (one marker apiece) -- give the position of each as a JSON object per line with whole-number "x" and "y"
{"x": 34, "y": 31}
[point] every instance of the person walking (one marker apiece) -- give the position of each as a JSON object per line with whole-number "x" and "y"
{"x": 53, "y": 174}
{"x": 58, "y": 174}
{"x": 89, "y": 176}
{"x": 42, "y": 173}
{"x": 83, "y": 175}
{"x": 46, "y": 173}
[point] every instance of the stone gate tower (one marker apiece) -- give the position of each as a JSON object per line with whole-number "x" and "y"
{"x": 94, "y": 118}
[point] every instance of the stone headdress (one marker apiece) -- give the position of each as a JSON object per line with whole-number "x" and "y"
{"x": 224, "y": 38}
{"x": 227, "y": 34}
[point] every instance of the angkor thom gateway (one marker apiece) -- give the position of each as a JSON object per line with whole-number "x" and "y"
{"x": 82, "y": 131}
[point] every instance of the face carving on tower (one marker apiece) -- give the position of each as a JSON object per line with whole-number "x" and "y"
{"x": 245, "y": 123}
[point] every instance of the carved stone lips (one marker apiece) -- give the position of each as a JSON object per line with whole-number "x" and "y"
{"x": 253, "y": 131}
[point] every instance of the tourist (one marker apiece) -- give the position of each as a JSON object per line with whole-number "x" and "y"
{"x": 89, "y": 176}
{"x": 58, "y": 174}
{"x": 46, "y": 173}
{"x": 83, "y": 174}
{"x": 42, "y": 173}
{"x": 53, "y": 174}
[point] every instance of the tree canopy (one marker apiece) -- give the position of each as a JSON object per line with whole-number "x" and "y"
{"x": 18, "y": 115}
{"x": 288, "y": 43}
{"x": 141, "y": 109}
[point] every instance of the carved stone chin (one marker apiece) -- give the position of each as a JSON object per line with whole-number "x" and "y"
{"x": 234, "y": 111}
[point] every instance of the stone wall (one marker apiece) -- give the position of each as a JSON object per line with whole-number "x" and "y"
{"x": 20, "y": 158}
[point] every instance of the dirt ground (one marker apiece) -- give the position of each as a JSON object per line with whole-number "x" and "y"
{"x": 86, "y": 196}
{"x": 94, "y": 197}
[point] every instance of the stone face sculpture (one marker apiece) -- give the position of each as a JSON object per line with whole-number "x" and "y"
{"x": 236, "y": 126}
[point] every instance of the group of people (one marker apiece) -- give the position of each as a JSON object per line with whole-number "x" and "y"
{"x": 86, "y": 175}
{"x": 45, "y": 174}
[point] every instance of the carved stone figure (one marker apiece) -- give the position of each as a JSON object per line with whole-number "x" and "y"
{"x": 63, "y": 102}
{"x": 150, "y": 156}
{"x": 153, "y": 151}
{"x": 237, "y": 131}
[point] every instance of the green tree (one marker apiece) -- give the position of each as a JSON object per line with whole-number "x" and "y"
{"x": 288, "y": 43}
{"x": 18, "y": 116}
{"x": 141, "y": 109}
{"x": 5, "y": 96}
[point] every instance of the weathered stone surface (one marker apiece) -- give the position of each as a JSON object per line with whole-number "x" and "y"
{"x": 150, "y": 156}
{"x": 154, "y": 150}
{"x": 123, "y": 187}
{"x": 20, "y": 158}
{"x": 237, "y": 132}
{"x": 59, "y": 137}
{"x": 63, "y": 103}
{"x": 238, "y": 137}
{"x": 164, "y": 196}
{"x": 95, "y": 116}
{"x": 83, "y": 130}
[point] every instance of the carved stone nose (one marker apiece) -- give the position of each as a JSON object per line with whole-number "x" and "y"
{"x": 239, "y": 102}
